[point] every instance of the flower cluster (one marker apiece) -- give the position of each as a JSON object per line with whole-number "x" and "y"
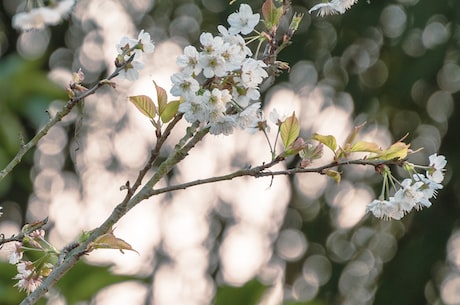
{"x": 130, "y": 52}
{"x": 219, "y": 83}
{"x": 30, "y": 274}
{"x": 39, "y": 17}
{"x": 414, "y": 192}
{"x": 333, "y": 7}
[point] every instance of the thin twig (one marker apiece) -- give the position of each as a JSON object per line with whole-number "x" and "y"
{"x": 53, "y": 121}
{"x": 259, "y": 171}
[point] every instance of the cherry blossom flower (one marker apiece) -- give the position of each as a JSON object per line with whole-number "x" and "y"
{"x": 231, "y": 78}
{"x": 145, "y": 42}
{"x": 131, "y": 70}
{"x": 36, "y": 19}
{"x": 194, "y": 109}
{"x": 213, "y": 65}
{"x": 29, "y": 280}
{"x": 409, "y": 195}
{"x": 386, "y": 209}
{"x": 189, "y": 61}
{"x": 243, "y": 21}
{"x": 223, "y": 124}
{"x": 436, "y": 171}
{"x": 184, "y": 85}
{"x": 16, "y": 256}
{"x": 40, "y": 17}
{"x": 252, "y": 72}
{"x": 332, "y": 7}
{"x": 131, "y": 50}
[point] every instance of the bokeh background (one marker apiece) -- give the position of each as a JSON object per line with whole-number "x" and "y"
{"x": 294, "y": 240}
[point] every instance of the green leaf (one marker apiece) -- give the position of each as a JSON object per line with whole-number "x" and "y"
{"x": 271, "y": 13}
{"x": 145, "y": 105}
{"x": 334, "y": 175}
{"x": 328, "y": 140}
{"x": 289, "y": 130}
{"x": 169, "y": 111}
{"x": 398, "y": 150}
{"x": 249, "y": 294}
{"x": 162, "y": 98}
{"x": 363, "y": 146}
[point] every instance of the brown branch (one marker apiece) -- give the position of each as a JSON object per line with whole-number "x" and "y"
{"x": 260, "y": 171}
{"x": 74, "y": 251}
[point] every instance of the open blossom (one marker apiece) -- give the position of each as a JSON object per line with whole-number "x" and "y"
{"x": 213, "y": 65}
{"x": 145, "y": 42}
{"x": 16, "y": 256}
{"x": 243, "y": 21}
{"x": 28, "y": 278}
{"x": 415, "y": 192}
{"x": 436, "y": 171}
{"x": 219, "y": 80}
{"x": 386, "y": 209}
{"x": 409, "y": 195}
{"x": 189, "y": 61}
{"x": 128, "y": 47}
{"x": 252, "y": 72}
{"x": 131, "y": 70}
{"x": 332, "y": 7}
{"x": 249, "y": 117}
{"x": 184, "y": 85}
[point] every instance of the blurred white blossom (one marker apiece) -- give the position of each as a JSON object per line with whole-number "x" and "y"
{"x": 40, "y": 17}
{"x": 332, "y": 7}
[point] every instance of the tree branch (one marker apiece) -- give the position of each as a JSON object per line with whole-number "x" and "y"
{"x": 77, "y": 251}
{"x": 57, "y": 118}
{"x": 259, "y": 171}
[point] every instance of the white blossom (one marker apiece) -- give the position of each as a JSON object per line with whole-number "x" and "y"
{"x": 211, "y": 45}
{"x": 194, "y": 110}
{"x": 386, "y": 209}
{"x": 184, "y": 85}
{"x": 17, "y": 254}
{"x": 253, "y": 72}
{"x": 29, "y": 280}
{"x": 189, "y": 61}
{"x": 40, "y": 17}
{"x": 409, "y": 195}
{"x": 276, "y": 117}
{"x": 436, "y": 171}
{"x": 249, "y": 117}
{"x": 213, "y": 65}
{"x": 131, "y": 70}
{"x": 332, "y": 7}
{"x": 145, "y": 42}
{"x": 222, "y": 125}
{"x": 36, "y": 19}
{"x": 243, "y": 21}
